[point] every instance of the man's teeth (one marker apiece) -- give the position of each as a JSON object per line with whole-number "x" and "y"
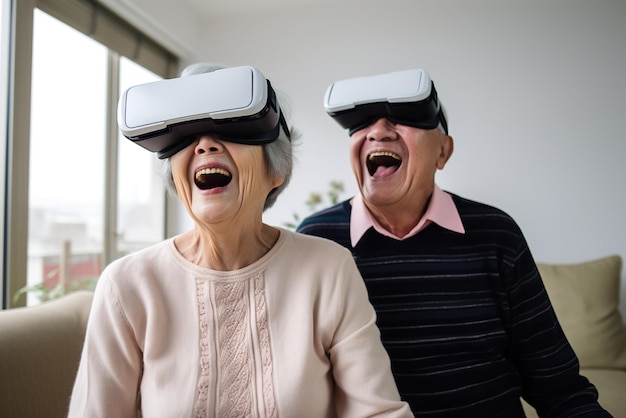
{"x": 384, "y": 154}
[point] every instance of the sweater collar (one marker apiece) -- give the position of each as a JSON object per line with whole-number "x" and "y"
{"x": 441, "y": 210}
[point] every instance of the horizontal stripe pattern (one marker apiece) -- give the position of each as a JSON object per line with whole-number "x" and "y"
{"x": 465, "y": 318}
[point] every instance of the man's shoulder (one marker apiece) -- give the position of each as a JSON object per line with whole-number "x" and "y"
{"x": 469, "y": 206}
{"x": 477, "y": 215}
{"x": 333, "y": 217}
{"x": 332, "y": 223}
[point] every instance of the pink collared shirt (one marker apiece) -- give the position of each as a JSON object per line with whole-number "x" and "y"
{"x": 441, "y": 210}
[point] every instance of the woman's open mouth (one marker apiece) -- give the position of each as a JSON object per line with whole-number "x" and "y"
{"x": 383, "y": 163}
{"x": 210, "y": 178}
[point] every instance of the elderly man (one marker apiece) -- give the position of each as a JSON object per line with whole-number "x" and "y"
{"x": 461, "y": 306}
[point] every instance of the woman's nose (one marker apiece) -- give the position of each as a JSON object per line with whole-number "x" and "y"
{"x": 208, "y": 144}
{"x": 381, "y": 130}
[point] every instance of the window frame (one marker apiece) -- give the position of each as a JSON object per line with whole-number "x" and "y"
{"x": 6, "y": 25}
{"x": 14, "y": 254}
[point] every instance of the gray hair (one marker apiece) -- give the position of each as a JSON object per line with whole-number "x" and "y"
{"x": 278, "y": 154}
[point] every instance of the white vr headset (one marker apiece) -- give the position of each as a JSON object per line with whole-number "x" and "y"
{"x": 238, "y": 104}
{"x": 405, "y": 97}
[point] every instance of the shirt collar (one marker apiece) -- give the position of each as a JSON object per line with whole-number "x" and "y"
{"x": 441, "y": 210}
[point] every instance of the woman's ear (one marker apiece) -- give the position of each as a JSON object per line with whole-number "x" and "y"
{"x": 278, "y": 181}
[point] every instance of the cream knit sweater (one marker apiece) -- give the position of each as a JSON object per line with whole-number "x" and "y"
{"x": 292, "y": 335}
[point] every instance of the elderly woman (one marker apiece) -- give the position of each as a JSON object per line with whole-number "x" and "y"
{"x": 233, "y": 318}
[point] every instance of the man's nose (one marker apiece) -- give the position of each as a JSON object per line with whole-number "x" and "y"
{"x": 381, "y": 130}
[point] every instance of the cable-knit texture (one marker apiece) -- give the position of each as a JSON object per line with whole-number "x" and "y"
{"x": 233, "y": 349}
{"x": 264, "y": 343}
{"x": 203, "y": 379}
{"x": 229, "y": 303}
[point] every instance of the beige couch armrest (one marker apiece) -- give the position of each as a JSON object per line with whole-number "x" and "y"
{"x": 40, "y": 350}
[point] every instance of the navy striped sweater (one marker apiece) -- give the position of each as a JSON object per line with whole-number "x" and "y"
{"x": 465, "y": 317}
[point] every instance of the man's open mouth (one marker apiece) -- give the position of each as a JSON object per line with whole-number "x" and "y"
{"x": 383, "y": 163}
{"x": 210, "y": 178}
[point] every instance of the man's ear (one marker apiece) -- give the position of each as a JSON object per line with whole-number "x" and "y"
{"x": 447, "y": 148}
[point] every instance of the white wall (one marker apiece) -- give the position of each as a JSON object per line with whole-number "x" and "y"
{"x": 535, "y": 93}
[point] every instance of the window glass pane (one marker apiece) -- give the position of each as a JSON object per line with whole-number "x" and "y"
{"x": 67, "y": 145}
{"x": 141, "y": 193}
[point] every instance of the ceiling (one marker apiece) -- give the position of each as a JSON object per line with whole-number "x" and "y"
{"x": 212, "y": 8}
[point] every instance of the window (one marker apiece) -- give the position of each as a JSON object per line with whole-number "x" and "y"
{"x": 141, "y": 195}
{"x": 93, "y": 196}
{"x": 67, "y": 145}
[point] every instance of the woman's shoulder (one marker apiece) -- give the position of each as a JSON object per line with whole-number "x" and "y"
{"x": 150, "y": 256}
{"x": 302, "y": 249}
{"x": 299, "y": 241}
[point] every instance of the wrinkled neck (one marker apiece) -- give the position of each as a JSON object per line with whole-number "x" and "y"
{"x": 225, "y": 248}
